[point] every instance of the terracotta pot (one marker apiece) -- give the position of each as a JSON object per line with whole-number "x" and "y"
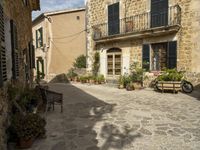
{"x": 137, "y": 85}
{"x": 121, "y": 86}
{"x": 23, "y": 143}
{"x": 91, "y": 81}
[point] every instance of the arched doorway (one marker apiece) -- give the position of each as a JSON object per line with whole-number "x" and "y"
{"x": 114, "y": 62}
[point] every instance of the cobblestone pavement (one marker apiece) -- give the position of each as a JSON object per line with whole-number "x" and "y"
{"x": 96, "y": 117}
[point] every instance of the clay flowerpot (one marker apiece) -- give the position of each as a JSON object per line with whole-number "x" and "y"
{"x": 91, "y": 81}
{"x": 24, "y": 143}
{"x": 121, "y": 86}
{"x": 129, "y": 87}
{"x": 137, "y": 85}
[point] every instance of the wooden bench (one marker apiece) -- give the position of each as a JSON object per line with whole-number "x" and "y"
{"x": 51, "y": 98}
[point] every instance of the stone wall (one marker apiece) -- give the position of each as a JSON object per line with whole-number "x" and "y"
{"x": 21, "y": 15}
{"x": 188, "y": 48}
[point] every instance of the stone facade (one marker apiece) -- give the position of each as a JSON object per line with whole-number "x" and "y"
{"x": 20, "y": 13}
{"x": 187, "y": 34}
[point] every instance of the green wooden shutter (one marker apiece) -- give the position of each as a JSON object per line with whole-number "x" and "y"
{"x": 3, "y": 69}
{"x": 172, "y": 55}
{"x": 36, "y": 38}
{"x": 33, "y": 57}
{"x": 146, "y": 57}
{"x": 15, "y": 54}
{"x": 41, "y": 38}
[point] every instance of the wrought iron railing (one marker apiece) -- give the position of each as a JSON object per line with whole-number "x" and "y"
{"x": 137, "y": 23}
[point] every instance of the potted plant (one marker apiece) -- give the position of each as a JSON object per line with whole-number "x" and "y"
{"x": 72, "y": 75}
{"x": 136, "y": 75}
{"x": 92, "y": 79}
{"x": 121, "y": 82}
{"x": 100, "y": 79}
{"x": 27, "y": 128}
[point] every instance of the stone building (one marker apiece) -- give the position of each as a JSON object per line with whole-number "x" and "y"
{"x": 16, "y": 51}
{"x": 59, "y": 38}
{"x": 157, "y": 34}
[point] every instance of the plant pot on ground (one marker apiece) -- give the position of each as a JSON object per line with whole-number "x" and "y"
{"x": 137, "y": 84}
{"x": 129, "y": 87}
{"x": 28, "y": 128}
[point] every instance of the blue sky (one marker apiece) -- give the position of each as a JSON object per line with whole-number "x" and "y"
{"x": 51, "y": 5}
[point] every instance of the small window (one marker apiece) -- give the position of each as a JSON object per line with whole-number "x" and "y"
{"x": 78, "y": 17}
{"x": 39, "y": 37}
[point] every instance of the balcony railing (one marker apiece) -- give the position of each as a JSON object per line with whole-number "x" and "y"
{"x": 138, "y": 23}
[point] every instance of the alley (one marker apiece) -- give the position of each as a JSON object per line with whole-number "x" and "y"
{"x": 103, "y": 118}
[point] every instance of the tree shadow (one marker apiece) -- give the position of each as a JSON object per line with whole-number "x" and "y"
{"x": 77, "y": 127}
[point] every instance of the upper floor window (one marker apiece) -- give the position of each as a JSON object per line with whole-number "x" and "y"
{"x": 113, "y": 19}
{"x": 39, "y": 37}
{"x": 159, "y": 13}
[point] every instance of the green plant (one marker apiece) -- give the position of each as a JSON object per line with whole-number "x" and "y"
{"x": 136, "y": 72}
{"x": 28, "y": 126}
{"x": 80, "y": 62}
{"x": 29, "y": 98}
{"x": 83, "y": 79}
{"x": 171, "y": 75}
{"x": 96, "y": 63}
{"x": 126, "y": 80}
{"x": 100, "y": 78}
{"x": 71, "y": 74}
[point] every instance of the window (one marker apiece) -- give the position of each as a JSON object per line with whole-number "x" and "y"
{"x": 3, "y": 68}
{"x": 15, "y": 52}
{"x": 39, "y": 37}
{"x": 114, "y": 61}
{"x": 161, "y": 56}
{"x": 40, "y": 68}
{"x": 78, "y": 17}
{"x": 159, "y": 13}
{"x": 113, "y": 19}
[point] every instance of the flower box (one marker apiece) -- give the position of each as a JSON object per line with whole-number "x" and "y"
{"x": 174, "y": 86}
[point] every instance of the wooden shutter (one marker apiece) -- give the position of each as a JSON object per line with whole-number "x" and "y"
{"x": 159, "y": 13}
{"x": 113, "y": 19}
{"x": 146, "y": 57}
{"x": 33, "y": 56}
{"x": 36, "y": 38}
{"x": 41, "y": 37}
{"x": 15, "y": 54}
{"x": 172, "y": 55}
{"x": 3, "y": 69}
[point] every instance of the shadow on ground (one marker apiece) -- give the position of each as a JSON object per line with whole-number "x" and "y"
{"x": 196, "y": 92}
{"x": 76, "y": 128}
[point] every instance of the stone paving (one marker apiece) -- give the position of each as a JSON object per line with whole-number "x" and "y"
{"x": 97, "y": 117}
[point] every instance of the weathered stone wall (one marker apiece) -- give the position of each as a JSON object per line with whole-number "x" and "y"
{"x": 187, "y": 37}
{"x": 21, "y": 15}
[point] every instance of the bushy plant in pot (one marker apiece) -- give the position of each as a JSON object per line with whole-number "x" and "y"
{"x": 130, "y": 87}
{"x": 27, "y": 128}
{"x": 72, "y": 76}
{"x": 137, "y": 75}
{"x": 100, "y": 79}
{"x": 121, "y": 82}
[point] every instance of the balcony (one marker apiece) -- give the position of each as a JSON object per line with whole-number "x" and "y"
{"x": 139, "y": 26}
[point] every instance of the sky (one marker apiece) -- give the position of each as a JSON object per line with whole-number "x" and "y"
{"x": 52, "y": 5}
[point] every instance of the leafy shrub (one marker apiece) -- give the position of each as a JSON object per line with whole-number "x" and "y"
{"x": 100, "y": 78}
{"x": 26, "y": 127}
{"x": 96, "y": 63}
{"x": 71, "y": 73}
{"x": 136, "y": 73}
{"x": 80, "y": 62}
{"x": 171, "y": 75}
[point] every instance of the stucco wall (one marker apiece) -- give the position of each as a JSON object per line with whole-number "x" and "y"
{"x": 64, "y": 40}
{"x": 68, "y": 40}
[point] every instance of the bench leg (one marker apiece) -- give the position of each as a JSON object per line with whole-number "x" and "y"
{"x": 61, "y": 107}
